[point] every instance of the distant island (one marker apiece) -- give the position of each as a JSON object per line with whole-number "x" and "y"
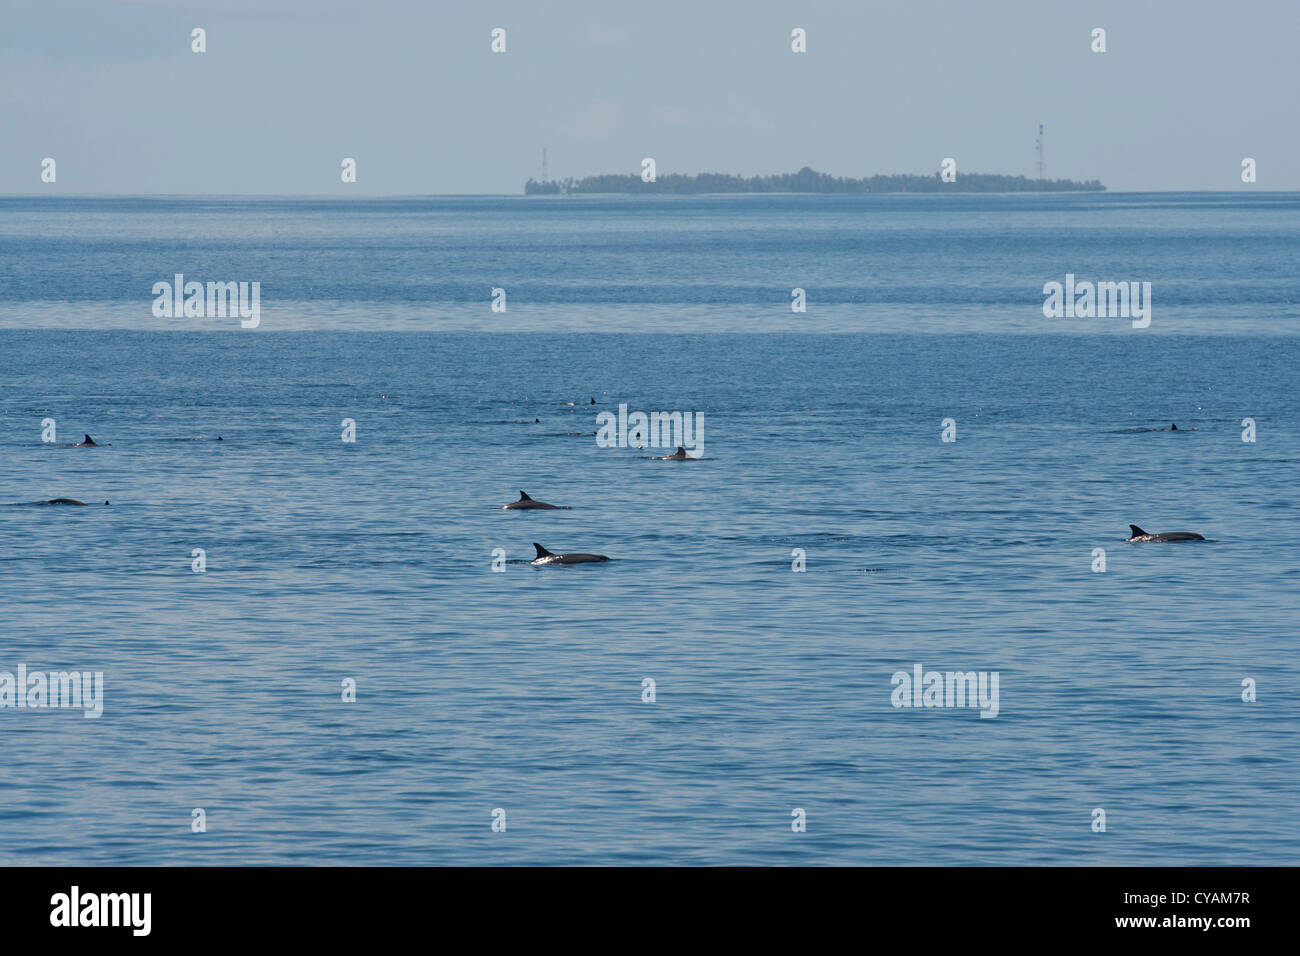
{"x": 805, "y": 181}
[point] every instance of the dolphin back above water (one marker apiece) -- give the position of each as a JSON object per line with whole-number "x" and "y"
{"x": 680, "y": 455}
{"x": 54, "y": 501}
{"x": 548, "y": 557}
{"x": 1140, "y": 535}
{"x": 526, "y": 503}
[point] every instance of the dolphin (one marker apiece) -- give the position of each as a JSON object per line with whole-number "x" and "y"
{"x": 679, "y": 456}
{"x": 526, "y": 503}
{"x": 548, "y": 557}
{"x": 1139, "y": 535}
{"x": 59, "y": 501}
{"x": 87, "y": 442}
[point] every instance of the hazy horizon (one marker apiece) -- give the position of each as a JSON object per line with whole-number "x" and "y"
{"x": 371, "y": 197}
{"x": 286, "y": 90}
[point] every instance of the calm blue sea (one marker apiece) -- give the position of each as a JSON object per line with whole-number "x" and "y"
{"x": 521, "y": 690}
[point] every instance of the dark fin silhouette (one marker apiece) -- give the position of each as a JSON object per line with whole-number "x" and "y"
{"x": 541, "y": 552}
{"x": 593, "y": 401}
{"x": 523, "y": 496}
{"x": 1137, "y": 532}
{"x": 681, "y": 450}
{"x": 88, "y": 440}
{"x": 105, "y": 501}
{"x": 1173, "y": 428}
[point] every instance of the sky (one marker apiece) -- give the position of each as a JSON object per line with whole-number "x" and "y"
{"x": 287, "y": 89}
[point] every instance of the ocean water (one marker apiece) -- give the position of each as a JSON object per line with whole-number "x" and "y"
{"x": 522, "y": 689}
{"x": 891, "y": 263}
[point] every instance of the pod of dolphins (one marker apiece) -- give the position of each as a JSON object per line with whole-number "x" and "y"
{"x": 526, "y": 503}
{"x": 544, "y": 557}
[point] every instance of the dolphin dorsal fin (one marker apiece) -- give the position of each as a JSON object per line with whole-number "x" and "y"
{"x": 1137, "y": 532}
{"x": 88, "y": 440}
{"x": 523, "y": 496}
{"x": 541, "y": 552}
{"x": 681, "y": 450}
